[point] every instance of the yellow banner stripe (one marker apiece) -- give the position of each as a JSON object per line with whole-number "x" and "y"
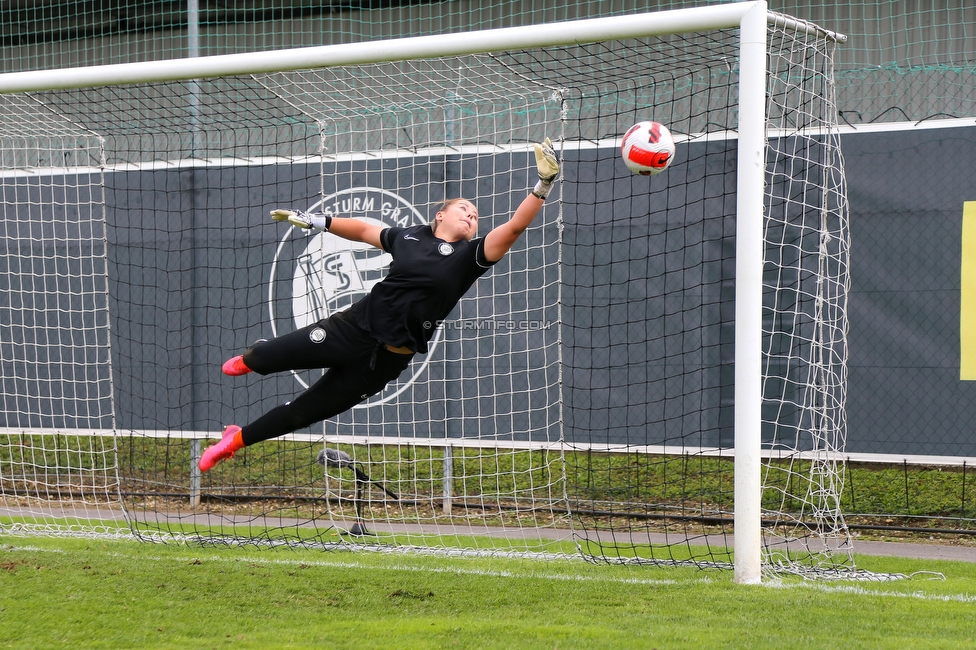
{"x": 967, "y": 302}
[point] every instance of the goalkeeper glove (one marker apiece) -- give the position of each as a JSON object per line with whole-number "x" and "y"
{"x": 302, "y": 220}
{"x": 545, "y": 161}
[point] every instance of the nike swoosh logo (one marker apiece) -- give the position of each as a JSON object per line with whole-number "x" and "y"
{"x": 410, "y": 238}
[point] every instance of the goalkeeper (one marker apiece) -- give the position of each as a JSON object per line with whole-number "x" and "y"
{"x": 372, "y": 342}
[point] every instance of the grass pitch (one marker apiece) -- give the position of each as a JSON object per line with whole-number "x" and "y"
{"x": 126, "y": 594}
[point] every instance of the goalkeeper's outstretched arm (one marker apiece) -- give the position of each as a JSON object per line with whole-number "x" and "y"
{"x": 356, "y": 230}
{"x": 351, "y": 229}
{"x": 501, "y": 239}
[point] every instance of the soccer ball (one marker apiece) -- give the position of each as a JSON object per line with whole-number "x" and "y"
{"x": 647, "y": 148}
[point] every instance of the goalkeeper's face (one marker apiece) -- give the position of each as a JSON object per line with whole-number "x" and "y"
{"x": 457, "y": 219}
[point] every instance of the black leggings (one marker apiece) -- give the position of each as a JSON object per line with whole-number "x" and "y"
{"x": 358, "y": 367}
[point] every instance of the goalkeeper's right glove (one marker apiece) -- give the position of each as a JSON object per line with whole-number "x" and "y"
{"x": 302, "y": 220}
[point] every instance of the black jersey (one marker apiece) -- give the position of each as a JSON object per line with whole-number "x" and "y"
{"x": 426, "y": 280}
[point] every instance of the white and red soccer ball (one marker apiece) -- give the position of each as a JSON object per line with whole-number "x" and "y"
{"x": 647, "y": 148}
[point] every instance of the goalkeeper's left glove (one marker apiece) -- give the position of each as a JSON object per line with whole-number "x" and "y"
{"x": 548, "y": 165}
{"x": 302, "y": 220}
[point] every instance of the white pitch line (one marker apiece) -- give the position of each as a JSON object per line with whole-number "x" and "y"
{"x": 460, "y": 570}
{"x": 342, "y": 564}
{"x": 861, "y": 591}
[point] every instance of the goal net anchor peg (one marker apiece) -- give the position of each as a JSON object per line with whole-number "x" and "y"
{"x": 339, "y": 459}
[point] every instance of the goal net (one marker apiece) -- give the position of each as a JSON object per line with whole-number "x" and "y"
{"x": 579, "y": 400}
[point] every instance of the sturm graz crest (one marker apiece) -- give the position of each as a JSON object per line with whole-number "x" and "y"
{"x": 315, "y": 274}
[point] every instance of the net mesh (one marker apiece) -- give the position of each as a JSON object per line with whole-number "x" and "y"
{"x": 580, "y": 397}
{"x": 902, "y": 61}
{"x": 55, "y": 350}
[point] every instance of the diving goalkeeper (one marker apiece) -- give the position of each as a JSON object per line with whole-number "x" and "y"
{"x": 372, "y": 342}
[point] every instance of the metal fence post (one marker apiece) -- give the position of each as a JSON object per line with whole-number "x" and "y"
{"x": 195, "y": 474}
{"x": 448, "y": 477}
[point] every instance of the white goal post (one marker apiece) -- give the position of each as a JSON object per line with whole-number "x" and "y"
{"x": 753, "y": 132}
{"x": 512, "y": 38}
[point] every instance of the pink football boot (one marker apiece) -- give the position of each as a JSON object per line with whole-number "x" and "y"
{"x": 229, "y": 443}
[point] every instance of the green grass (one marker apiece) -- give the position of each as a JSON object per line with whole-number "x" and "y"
{"x": 592, "y": 479}
{"x": 121, "y": 593}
